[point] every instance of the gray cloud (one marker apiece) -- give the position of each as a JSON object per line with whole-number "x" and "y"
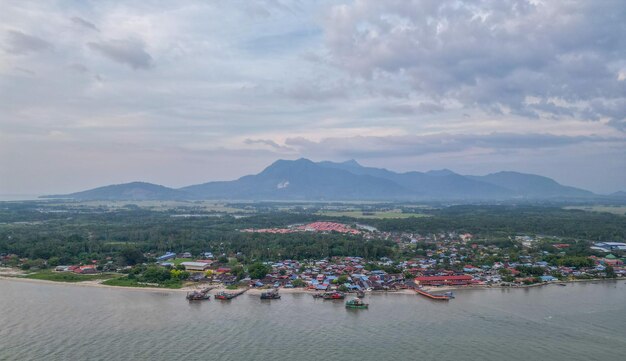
{"x": 375, "y": 68}
{"x": 84, "y": 23}
{"x": 492, "y": 55}
{"x": 272, "y": 144}
{"x": 421, "y": 108}
{"x": 21, "y": 43}
{"x": 79, "y": 68}
{"x": 130, "y": 52}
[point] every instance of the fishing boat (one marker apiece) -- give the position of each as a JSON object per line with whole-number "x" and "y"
{"x": 562, "y": 284}
{"x": 229, "y": 296}
{"x": 360, "y": 294}
{"x": 356, "y": 303}
{"x": 198, "y": 295}
{"x": 333, "y": 296}
{"x": 270, "y": 295}
{"x": 449, "y": 294}
{"x": 224, "y": 296}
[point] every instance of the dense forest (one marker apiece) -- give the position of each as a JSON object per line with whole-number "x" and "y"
{"x": 511, "y": 220}
{"x": 77, "y": 233}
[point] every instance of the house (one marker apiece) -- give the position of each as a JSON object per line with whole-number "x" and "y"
{"x": 547, "y": 278}
{"x": 611, "y": 260}
{"x": 86, "y": 270}
{"x": 185, "y": 255}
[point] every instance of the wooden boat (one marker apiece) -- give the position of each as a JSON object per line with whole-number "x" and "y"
{"x": 224, "y": 296}
{"x": 360, "y": 294}
{"x": 333, "y": 296}
{"x": 562, "y": 284}
{"x": 449, "y": 294}
{"x": 356, "y": 303}
{"x": 199, "y": 295}
{"x": 228, "y": 296}
{"x": 330, "y": 295}
{"x": 270, "y": 295}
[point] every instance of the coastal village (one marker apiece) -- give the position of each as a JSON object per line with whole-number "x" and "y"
{"x": 439, "y": 261}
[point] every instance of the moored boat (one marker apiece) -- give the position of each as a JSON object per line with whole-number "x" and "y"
{"x": 224, "y": 296}
{"x": 356, "y": 303}
{"x": 334, "y": 296}
{"x": 270, "y": 295}
{"x": 198, "y": 295}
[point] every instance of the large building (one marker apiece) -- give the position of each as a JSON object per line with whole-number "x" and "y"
{"x": 196, "y": 266}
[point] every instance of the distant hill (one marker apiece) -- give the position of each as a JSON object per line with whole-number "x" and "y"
{"x": 137, "y": 191}
{"x": 620, "y": 194}
{"x": 531, "y": 186}
{"x": 303, "y": 179}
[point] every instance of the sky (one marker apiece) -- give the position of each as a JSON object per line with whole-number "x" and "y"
{"x": 184, "y": 92}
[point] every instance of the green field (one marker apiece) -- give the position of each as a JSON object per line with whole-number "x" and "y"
{"x": 67, "y": 276}
{"x": 370, "y": 215}
{"x": 619, "y": 210}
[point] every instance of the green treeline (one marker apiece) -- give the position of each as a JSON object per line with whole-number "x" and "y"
{"x": 511, "y": 220}
{"x": 123, "y": 235}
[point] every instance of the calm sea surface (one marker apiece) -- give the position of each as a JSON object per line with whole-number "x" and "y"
{"x": 65, "y": 322}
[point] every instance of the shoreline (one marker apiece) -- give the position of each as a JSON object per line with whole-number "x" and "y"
{"x": 258, "y": 291}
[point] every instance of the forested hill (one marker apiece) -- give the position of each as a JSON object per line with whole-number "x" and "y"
{"x": 303, "y": 179}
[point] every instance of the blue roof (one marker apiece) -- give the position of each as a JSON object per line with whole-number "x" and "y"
{"x": 547, "y": 278}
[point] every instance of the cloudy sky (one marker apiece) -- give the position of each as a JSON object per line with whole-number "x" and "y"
{"x": 183, "y": 92}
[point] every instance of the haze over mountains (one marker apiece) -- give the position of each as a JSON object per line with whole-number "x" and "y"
{"x": 303, "y": 179}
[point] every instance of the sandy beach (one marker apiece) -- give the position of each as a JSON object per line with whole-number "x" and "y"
{"x": 13, "y": 275}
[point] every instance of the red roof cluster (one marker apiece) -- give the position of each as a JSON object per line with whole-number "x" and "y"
{"x": 314, "y": 227}
{"x": 328, "y": 227}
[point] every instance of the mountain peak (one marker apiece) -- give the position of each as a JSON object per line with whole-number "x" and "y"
{"x": 440, "y": 172}
{"x": 352, "y": 163}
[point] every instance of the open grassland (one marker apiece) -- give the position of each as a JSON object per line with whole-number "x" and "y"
{"x": 370, "y": 215}
{"x": 619, "y": 210}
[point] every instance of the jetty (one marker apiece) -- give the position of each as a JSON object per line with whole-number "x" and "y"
{"x": 432, "y": 296}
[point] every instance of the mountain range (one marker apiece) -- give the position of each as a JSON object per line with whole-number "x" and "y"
{"x": 304, "y": 179}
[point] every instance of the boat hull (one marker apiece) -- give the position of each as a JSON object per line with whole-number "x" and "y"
{"x": 358, "y": 307}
